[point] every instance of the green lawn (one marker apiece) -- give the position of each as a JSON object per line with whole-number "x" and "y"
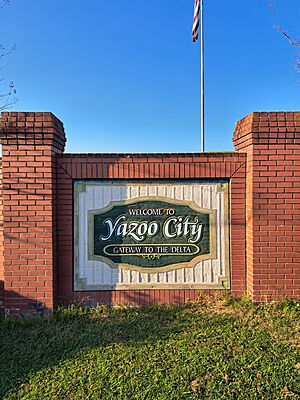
{"x": 221, "y": 349}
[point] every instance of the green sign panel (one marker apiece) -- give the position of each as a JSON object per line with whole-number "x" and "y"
{"x": 150, "y": 233}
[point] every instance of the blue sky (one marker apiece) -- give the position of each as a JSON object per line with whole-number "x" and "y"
{"x": 124, "y": 76}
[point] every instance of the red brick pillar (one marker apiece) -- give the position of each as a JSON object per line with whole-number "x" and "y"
{"x": 1, "y": 245}
{"x": 272, "y": 143}
{"x": 30, "y": 142}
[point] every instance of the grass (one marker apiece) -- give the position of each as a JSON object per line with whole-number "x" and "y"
{"x": 222, "y": 349}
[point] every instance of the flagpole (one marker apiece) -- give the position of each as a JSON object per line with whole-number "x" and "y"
{"x": 202, "y": 75}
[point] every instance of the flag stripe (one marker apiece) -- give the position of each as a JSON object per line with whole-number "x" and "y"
{"x": 195, "y": 27}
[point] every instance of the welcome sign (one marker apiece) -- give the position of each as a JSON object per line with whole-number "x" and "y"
{"x": 151, "y": 233}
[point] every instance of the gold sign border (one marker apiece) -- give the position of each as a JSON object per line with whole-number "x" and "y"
{"x": 170, "y": 267}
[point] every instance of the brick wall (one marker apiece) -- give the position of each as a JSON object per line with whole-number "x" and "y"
{"x": 230, "y": 166}
{"x": 1, "y": 245}
{"x": 272, "y": 143}
{"x": 37, "y": 219}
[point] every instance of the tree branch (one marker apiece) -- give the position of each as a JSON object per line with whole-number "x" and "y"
{"x": 4, "y": 3}
{"x": 297, "y": 65}
{"x": 287, "y": 36}
{"x": 8, "y": 98}
{"x": 277, "y": 27}
{"x": 6, "y": 52}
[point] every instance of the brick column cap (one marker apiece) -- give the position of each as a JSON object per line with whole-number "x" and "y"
{"x": 268, "y": 122}
{"x": 32, "y": 128}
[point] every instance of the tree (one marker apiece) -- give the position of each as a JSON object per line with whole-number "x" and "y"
{"x": 290, "y": 38}
{"x": 7, "y": 98}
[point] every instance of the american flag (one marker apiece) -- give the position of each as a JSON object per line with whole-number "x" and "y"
{"x": 195, "y": 28}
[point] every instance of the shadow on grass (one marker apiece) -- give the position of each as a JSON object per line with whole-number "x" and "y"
{"x": 166, "y": 352}
{"x": 30, "y": 345}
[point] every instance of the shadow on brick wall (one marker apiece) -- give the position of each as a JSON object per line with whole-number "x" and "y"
{"x": 140, "y": 297}
{"x": 1, "y": 298}
{"x": 15, "y": 305}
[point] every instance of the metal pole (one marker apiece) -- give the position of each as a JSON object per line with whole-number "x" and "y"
{"x": 202, "y": 74}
